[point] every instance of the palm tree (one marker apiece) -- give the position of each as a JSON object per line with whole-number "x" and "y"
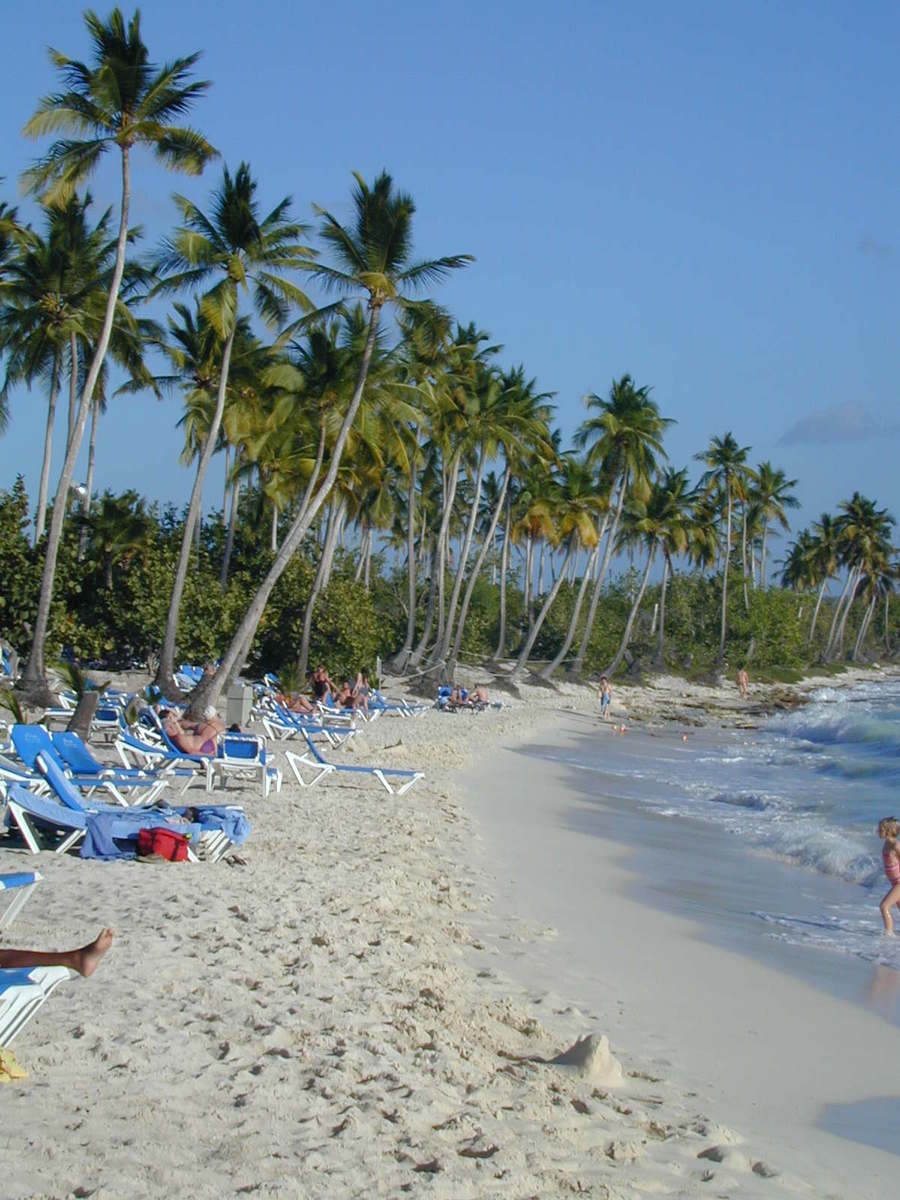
{"x": 624, "y": 434}
{"x": 118, "y": 100}
{"x": 244, "y": 252}
{"x": 575, "y": 525}
{"x": 372, "y": 257}
{"x": 725, "y": 461}
{"x": 674, "y": 507}
{"x": 772, "y": 495}
{"x": 823, "y": 561}
{"x": 864, "y": 546}
{"x": 117, "y": 530}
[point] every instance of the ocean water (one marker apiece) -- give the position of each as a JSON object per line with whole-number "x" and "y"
{"x": 807, "y": 790}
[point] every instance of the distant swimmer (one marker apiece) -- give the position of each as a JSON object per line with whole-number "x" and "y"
{"x": 605, "y": 697}
{"x": 743, "y": 680}
{"x": 889, "y": 829}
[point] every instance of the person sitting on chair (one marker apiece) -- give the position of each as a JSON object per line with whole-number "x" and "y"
{"x": 194, "y": 737}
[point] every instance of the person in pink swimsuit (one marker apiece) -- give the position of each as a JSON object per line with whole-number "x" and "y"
{"x": 889, "y": 829}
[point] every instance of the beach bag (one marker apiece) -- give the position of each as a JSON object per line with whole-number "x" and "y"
{"x": 163, "y": 843}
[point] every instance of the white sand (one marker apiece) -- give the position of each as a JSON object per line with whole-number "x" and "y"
{"x": 325, "y": 1021}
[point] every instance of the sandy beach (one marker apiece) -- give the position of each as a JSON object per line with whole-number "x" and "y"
{"x": 368, "y": 1004}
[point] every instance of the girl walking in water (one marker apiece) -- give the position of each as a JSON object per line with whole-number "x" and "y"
{"x": 889, "y": 829}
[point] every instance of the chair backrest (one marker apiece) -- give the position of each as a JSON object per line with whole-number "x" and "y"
{"x": 29, "y": 741}
{"x": 243, "y": 746}
{"x": 75, "y": 754}
{"x": 63, "y": 788}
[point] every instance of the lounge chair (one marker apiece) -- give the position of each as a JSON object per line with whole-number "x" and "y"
{"x": 84, "y": 767}
{"x": 243, "y": 756}
{"x": 40, "y": 820}
{"x": 22, "y": 883}
{"x": 22, "y": 992}
{"x": 31, "y": 741}
{"x": 281, "y": 723}
{"x": 188, "y": 768}
{"x": 313, "y": 760}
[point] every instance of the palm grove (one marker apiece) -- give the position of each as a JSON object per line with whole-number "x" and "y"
{"x": 391, "y": 487}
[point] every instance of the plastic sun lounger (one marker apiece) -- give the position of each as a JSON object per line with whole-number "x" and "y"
{"x": 188, "y": 767}
{"x": 22, "y": 883}
{"x": 22, "y": 992}
{"x": 243, "y": 755}
{"x": 77, "y": 759}
{"x": 281, "y": 723}
{"x": 313, "y": 760}
{"x": 32, "y": 741}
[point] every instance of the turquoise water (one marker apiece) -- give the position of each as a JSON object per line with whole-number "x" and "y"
{"x": 807, "y": 791}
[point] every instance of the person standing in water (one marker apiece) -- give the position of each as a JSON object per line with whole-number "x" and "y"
{"x": 889, "y": 829}
{"x": 743, "y": 680}
{"x": 605, "y": 697}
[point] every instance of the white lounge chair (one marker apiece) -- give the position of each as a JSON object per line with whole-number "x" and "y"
{"x": 21, "y": 884}
{"x": 22, "y": 992}
{"x": 395, "y": 780}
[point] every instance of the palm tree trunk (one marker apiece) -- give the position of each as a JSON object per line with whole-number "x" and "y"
{"x": 165, "y": 677}
{"x": 361, "y": 560}
{"x": 210, "y": 687}
{"x": 578, "y": 662}
{"x": 476, "y": 570}
{"x": 576, "y": 612}
{"x": 73, "y": 385}
{"x": 34, "y": 681}
{"x": 225, "y": 485}
{"x": 417, "y": 655}
{"x": 527, "y": 583}
{"x": 762, "y": 557}
{"x": 40, "y": 516}
{"x": 443, "y": 649}
{"x": 448, "y": 496}
{"x": 542, "y": 615}
{"x": 504, "y": 568}
{"x": 89, "y": 479}
{"x": 273, "y": 539}
{"x": 540, "y": 577}
{"x": 402, "y": 656}
{"x": 229, "y": 536}
{"x": 626, "y": 636}
{"x": 815, "y": 616}
{"x": 319, "y": 584}
{"x": 846, "y": 613}
{"x": 744, "y": 554}
{"x": 864, "y": 627}
{"x": 829, "y": 645}
{"x": 725, "y": 565}
{"x": 660, "y": 642}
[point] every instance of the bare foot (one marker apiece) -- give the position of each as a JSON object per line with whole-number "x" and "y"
{"x": 90, "y": 955}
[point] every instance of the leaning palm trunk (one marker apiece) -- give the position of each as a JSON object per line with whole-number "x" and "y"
{"x": 528, "y": 582}
{"x": 475, "y": 572}
{"x": 846, "y": 613}
{"x": 210, "y": 687}
{"x": 542, "y": 615}
{"x": 34, "y": 678}
{"x": 610, "y": 530}
{"x": 165, "y": 677}
{"x": 448, "y": 496}
{"x": 815, "y": 616}
{"x": 744, "y": 554}
{"x": 504, "y": 568}
{"x": 40, "y": 517}
{"x": 229, "y": 536}
{"x": 626, "y": 636}
{"x": 661, "y": 639}
{"x": 418, "y": 654}
{"x": 320, "y": 582}
{"x": 89, "y": 478}
{"x": 864, "y": 627}
{"x": 726, "y": 562}
{"x": 576, "y": 613}
{"x": 829, "y": 645}
{"x": 443, "y": 649}
{"x": 401, "y": 658}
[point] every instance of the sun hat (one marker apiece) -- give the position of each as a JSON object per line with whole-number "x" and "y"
{"x": 209, "y": 712}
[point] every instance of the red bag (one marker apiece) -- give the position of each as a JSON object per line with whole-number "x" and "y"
{"x": 164, "y": 843}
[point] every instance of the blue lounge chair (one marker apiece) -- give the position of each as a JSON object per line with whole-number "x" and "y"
{"x": 389, "y": 777}
{"x": 186, "y": 768}
{"x": 22, "y": 884}
{"x": 81, "y": 765}
{"x": 243, "y": 756}
{"x": 22, "y": 992}
{"x": 281, "y": 723}
{"x": 31, "y": 741}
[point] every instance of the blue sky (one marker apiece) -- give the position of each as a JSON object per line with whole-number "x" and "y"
{"x": 703, "y": 195}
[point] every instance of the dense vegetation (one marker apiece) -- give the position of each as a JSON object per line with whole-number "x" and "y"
{"x": 393, "y": 489}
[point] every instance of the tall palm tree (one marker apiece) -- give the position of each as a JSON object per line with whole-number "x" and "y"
{"x": 725, "y": 461}
{"x": 120, "y": 99}
{"x": 575, "y": 525}
{"x": 372, "y": 257}
{"x": 823, "y": 561}
{"x": 244, "y": 252}
{"x": 772, "y": 494}
{"x": 624, "y": 434}
{"x": 864, "y": 540}
{"x": 675, "y": 500}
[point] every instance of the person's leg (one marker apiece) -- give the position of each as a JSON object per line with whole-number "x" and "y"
{"x": 892, "y": 898}
{"x": 84, "y": 960}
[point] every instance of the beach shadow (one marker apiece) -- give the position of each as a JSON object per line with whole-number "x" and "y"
{"x": 869, "y": 1122}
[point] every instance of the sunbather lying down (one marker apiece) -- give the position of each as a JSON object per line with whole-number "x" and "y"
{"x": 84, "y": 960}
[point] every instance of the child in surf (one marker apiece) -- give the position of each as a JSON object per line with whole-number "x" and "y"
{"x": 889, "y": 829}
